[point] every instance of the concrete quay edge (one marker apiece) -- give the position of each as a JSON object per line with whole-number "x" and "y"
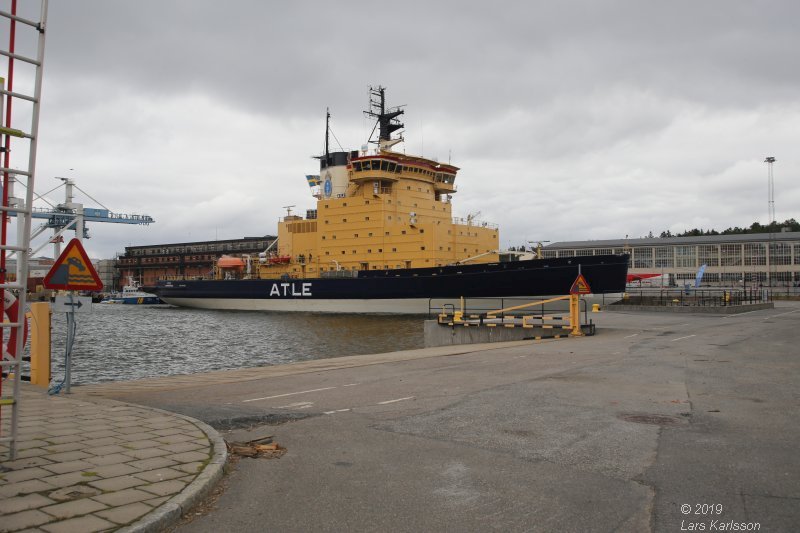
{"x": 118, "y": 389}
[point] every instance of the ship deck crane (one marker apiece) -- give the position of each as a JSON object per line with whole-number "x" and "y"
{"x": 71, "y": 215}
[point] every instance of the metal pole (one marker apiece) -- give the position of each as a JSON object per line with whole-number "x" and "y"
{"x": 70, "y": 340}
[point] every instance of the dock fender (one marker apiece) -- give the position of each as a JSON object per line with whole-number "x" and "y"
{"x": 11, "y": 309}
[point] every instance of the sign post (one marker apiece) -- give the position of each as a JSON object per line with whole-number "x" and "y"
{"x": 579, "y": 286}
{"x": 72, "y": 271}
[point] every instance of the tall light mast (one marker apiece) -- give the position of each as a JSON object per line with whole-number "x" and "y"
{"x": 770, "y": 190}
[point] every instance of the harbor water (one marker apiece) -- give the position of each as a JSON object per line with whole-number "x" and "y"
{"x": 125, "y": 342}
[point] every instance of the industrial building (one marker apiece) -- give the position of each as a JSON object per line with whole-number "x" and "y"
{"x": 147, "y": 264}
{"x": 771, "y": 259}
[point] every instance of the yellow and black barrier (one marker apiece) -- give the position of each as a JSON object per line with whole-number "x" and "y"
{"x": 499, "y": 318}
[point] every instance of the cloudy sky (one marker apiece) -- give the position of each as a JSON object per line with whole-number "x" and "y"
{"x": 570, "y": 120}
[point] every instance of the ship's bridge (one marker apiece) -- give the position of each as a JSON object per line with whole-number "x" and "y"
{"x": 392, "y": 167}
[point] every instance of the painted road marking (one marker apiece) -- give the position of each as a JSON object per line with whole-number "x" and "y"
{"x": 681, "y": 338}
{"x": 629, "y": 336}
{"x": 782, "y": 314}
{"x": 287, "y": 394}
{"x": 336, "y": 411}
{"x": 297, "y": 405}
{"x": 740, "y": 314}
{"x": 397, "y": 400}
{"x": 350, "y": 385}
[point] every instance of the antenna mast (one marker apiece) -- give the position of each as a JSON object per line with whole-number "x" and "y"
{"x": 327, "y": 132}
{"x": 386, "y": 119}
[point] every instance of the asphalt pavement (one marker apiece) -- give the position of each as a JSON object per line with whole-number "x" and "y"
{"x": 660, "y": 422}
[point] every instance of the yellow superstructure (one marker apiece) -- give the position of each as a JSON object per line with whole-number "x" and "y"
{"x": 378, "y": 210}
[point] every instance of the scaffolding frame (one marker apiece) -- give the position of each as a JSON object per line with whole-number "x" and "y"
{"x": 11, "y": 360}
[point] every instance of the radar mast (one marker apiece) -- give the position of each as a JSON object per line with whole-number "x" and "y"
{"x": 386, "y": 119}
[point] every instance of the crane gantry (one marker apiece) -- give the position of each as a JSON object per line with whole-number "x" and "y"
{"x": 71, "y": 215}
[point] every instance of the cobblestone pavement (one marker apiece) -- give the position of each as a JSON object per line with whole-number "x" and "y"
{"x": 101, "y": 465}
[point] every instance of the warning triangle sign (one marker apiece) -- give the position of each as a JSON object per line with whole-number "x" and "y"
{"x": 73, "y": 271}
{"x": 580, "y": 286}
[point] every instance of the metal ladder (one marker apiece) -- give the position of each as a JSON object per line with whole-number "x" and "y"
{"x": 11, "y": 360}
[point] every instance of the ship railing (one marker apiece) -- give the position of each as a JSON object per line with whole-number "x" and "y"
{"x": 183, "y": 278}
{"x": 691, "y": 297}
{"x": 339, "y": 274}
{"x": 460, "y": 221}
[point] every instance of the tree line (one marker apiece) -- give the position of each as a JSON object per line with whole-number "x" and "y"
{"x": 755, "y": 227}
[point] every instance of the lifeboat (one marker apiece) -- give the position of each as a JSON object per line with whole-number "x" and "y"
{"x": 228, "y": 262}
{"x": 279, "y": 260}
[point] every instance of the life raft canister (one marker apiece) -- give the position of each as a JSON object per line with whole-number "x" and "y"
{"x": 11, "y": 309}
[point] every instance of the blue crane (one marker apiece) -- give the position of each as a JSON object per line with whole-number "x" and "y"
{"x": 71, "y": 215}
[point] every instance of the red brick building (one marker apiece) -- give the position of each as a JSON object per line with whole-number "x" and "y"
{"x": 148, "y": 264}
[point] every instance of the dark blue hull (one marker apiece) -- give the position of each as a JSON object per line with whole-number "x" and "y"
{"x": 538, "y": 277}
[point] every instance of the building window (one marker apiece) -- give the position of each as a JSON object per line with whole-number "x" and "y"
{"x": 780, "y": 253}
{"x": 731, "y": 254}
{"x": 708, "y": 254}
{"x": 686, "y": 256}
{"x": 755, "y": 253}
{"x": 664, "y": 257}
{"x": 643, "y": 257}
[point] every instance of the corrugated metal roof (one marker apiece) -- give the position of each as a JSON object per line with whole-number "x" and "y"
{"x": 667, "y": 241}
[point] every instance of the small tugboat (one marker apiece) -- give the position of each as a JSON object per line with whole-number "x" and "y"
{"x": 132, "y": 294}
{"x": 383, "y": 239}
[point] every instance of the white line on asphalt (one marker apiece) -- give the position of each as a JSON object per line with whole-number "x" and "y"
{"x": 681, "y": 338}
{"x": 287, "y": 394}
{"x": 296, "y": 405}
{"x": 350, "y": 385}
{"x": 740, "y": 314}
{"x": 787, "y": 313}
{"x": 629, "y": 336}
{"x": 336, "y": 411}
{"x": 397, "y": 400}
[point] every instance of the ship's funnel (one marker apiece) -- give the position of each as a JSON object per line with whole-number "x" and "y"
{"x": 333, "y": 174}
